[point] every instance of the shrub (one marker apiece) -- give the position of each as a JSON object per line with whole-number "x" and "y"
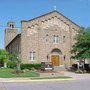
{"x": 17, "y": 71}
{"x": 78, "y": 71}
{"x": 74, "y": 67}
{"x": 11, "y": 64}
{"x": 86, "y": 67}
{"x": 30, "y": 66}
{"x": 25, "y": 70}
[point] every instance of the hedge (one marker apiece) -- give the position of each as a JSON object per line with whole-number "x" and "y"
{"x": 87, "y": 67}
{"x": 30, "y": 66}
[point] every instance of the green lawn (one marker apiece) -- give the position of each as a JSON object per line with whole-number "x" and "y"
{"x": 7, "y": 73}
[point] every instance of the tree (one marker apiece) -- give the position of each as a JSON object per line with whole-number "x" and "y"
{"x": 14, "y": 57}
{"x": 4, "y": 57}
{"x": 81, "y": 49}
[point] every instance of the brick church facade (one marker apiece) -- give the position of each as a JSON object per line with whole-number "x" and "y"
{"x": 47, "y": 38}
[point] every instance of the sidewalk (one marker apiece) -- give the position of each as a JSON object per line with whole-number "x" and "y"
{"x": 14, "y": 79}
{"x": 77, "y": 76}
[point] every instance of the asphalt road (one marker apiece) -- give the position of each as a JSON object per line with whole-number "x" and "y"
{"x": 48, "y": 85}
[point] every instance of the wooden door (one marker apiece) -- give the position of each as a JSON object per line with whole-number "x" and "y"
{"x": 55, "y": 60}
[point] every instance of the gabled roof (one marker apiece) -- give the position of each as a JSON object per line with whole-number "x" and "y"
{"x": 51, "y": 13}
{"x": 19, "y": 35}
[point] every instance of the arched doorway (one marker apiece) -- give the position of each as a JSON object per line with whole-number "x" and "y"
{"x": 55, "y": 57}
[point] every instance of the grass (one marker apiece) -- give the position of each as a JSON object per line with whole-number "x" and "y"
{"x": 7, "y": 73}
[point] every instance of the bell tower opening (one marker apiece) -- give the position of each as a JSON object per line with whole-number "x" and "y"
{"x": 11, "y": 25}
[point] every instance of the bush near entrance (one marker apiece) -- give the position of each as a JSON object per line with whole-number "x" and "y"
{"x": 87, "y": 67}
{"x": 30, "y": 66}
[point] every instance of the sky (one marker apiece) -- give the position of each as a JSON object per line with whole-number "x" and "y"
{"x": 16, "y": 10}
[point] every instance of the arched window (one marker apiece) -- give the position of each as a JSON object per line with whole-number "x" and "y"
{"x": 55, "y": 39}
{"x": 12, "y": 26}
{"x": 56, "y": 50}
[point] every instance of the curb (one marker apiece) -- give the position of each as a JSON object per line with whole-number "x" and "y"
{"x": 38, "y": 80}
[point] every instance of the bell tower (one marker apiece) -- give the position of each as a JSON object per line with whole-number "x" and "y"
{"x": 10, "y": 32}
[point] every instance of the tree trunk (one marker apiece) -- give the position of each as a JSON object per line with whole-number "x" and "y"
{"x": 18, "y": 66}
{"x": 5, "y": 65}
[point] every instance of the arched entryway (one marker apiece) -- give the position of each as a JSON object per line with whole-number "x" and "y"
{"x": 55, "y": 57}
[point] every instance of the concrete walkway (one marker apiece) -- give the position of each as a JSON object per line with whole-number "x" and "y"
{"x": 77, "y": 76}
{"x": 74, "y": 75}
{"x": 15, "y": 79}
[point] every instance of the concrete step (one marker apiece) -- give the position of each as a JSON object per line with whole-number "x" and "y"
{"x": 61, "y": 68}
{"x": 52, "y": 74}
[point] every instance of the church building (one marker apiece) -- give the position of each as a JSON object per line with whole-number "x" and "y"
{"x": 47, "y": 38}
